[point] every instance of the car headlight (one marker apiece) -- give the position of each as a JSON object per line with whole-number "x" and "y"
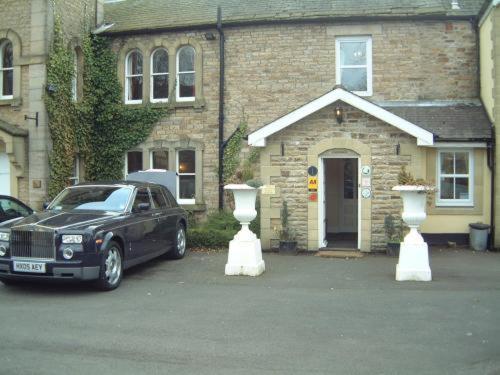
{"x": 3, "y": 251}
{"x": 72, "y": 238}
{"x": 4, "y": 236}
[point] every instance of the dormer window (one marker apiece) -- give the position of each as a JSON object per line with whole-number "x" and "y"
{"x": 354, "y": 64}
{"x": 6, "y": 70}
{"x": 133, "y": 78}
{"x": 159, "y": 76}
{"x": 186, "y": 89}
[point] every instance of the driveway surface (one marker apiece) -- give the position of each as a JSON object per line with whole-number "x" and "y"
{"x": 305, "y": 315}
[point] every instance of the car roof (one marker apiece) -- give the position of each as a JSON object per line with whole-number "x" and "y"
{"x": 117, "y": 183}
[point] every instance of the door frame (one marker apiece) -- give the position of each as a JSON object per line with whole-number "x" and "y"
{"x": 321, "y": 197}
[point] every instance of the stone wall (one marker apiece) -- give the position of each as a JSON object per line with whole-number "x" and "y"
{"x": 271, "y": 70}
{"x": 274, "y": 69}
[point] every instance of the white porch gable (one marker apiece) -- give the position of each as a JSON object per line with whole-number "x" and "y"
{"x": 258, "y": 137}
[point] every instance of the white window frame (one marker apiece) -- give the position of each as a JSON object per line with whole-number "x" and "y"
{"x": 153, "y": 74}
{"x": 178, "y": 73}
{"x": 3, "y": 69}
{"x": 369, "y": 66}
{"x": 151, "y": 157}
{"x": 179, "y": 200}
{"x": 455, "y": 202}
{"x": 127, "y": 77}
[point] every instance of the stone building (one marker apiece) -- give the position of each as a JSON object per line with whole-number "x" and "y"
{"x": 26, "y": 29}
{"x": 338, "y": 96}
{"x": 355, "y": 90}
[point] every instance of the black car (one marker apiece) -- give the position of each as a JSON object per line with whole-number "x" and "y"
{"x": 12, "y": 208}
{"x": 94, "y": 232}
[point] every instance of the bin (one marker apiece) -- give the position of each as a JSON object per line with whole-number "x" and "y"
{"x": 479, "y": 236}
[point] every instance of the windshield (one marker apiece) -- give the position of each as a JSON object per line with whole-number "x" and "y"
{"x": 101, "y": 198}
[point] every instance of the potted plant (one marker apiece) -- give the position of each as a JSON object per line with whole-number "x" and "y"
{"x": 288, "y": 244}
{"x": 394, "y": 234}
{"x": 413, "y": 261}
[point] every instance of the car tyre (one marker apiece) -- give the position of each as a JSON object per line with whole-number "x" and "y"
{"x": 111, "y": 273}
{"x": 180, "y": 249}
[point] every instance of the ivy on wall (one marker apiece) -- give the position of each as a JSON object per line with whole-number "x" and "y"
{"x": 99, "y": 127}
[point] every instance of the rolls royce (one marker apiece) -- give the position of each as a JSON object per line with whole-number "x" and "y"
{"x": 94, "y": 232}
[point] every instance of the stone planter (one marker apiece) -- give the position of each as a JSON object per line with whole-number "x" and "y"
{"x": 245, "y": 252}
{"x": 414, "y": 253}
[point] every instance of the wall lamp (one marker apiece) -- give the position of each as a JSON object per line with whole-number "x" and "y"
{"x": 339, "y": 114}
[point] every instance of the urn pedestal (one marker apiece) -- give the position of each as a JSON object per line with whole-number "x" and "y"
{"x": 245, "y": 252}
{"x": 413, "y": 261}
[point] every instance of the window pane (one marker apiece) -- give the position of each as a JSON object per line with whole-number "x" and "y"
{"x": 461, "y": 162}
{"x": 134, "y": 63}
{"x": 353, "y": 53}
{"x": 160, "y": 159}
{"x": 134, "y": 161}
{"x": 160, "y": 87}
{"x": 186, "y": 82}
{"x": 354, "y": 79}
{"x": 7, "y": 56}
{"x": 186, "y": 59}
{"x": 462, "y": 188}
{"x": 447, "y": 163}
{"x": 186, "y": 161}
{"x": 134, "y": 88}
{"x": 186, "y": 187}
{"x": 158, "y": 198}
{"x": 446, "y": 190}
{"x": 160, "y": 61}
{"x": 141, "y": 197}
{"x": 8, "y": 77}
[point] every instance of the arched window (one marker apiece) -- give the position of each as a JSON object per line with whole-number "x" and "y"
{"x": 133, "y": 77}
{"x": 186, "y": 89}
{"x": 6, "y": 70}
{"x": 159, "y": 76}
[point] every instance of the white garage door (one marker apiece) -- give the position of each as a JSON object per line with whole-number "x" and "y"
{"x": 4, "y": 174}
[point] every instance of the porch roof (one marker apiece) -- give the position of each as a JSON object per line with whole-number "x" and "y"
{"x": 258, "y": 137}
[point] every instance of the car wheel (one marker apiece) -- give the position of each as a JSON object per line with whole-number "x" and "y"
{"x": 111, "y": 272}
{"x": 179, "y": 249}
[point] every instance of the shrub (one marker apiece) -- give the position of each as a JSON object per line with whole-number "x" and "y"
{"x": 204, "y": 237}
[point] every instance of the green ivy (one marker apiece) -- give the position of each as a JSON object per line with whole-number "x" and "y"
{"x": 62, "y": 113}
{"x": 232, "y": 152}
{"x": 100, "y": 128}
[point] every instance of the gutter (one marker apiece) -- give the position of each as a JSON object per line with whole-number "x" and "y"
{"x": 222, "y": 144}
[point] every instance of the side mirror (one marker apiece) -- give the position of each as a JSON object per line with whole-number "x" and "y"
{"x": 45, "y": 205}
{"x": 143, "y": 206}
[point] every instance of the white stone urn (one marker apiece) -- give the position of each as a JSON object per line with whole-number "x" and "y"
{"x": 414, "y": 253}
{"x": 245, "y": 252}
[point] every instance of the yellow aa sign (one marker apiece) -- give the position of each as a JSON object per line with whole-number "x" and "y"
{"x": 312, "y": 183}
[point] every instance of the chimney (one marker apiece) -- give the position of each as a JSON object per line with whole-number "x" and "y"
{"x": 99, "y": 12}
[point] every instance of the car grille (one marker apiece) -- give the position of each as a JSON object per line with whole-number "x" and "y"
{"x": 32, "y": 244}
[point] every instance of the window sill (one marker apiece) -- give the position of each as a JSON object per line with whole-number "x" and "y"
{"x": 198, "y": 207}
{"x": 455, "y": 210}
{"x": 15, "y": 102}
{"x": 197, "y": 104}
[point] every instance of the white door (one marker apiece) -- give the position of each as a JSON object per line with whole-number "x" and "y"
{"x": 348, "y": 220}
{"x": 4, "y": 174}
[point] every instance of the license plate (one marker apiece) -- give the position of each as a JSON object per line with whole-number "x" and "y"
{"x": 29, "y": 267}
